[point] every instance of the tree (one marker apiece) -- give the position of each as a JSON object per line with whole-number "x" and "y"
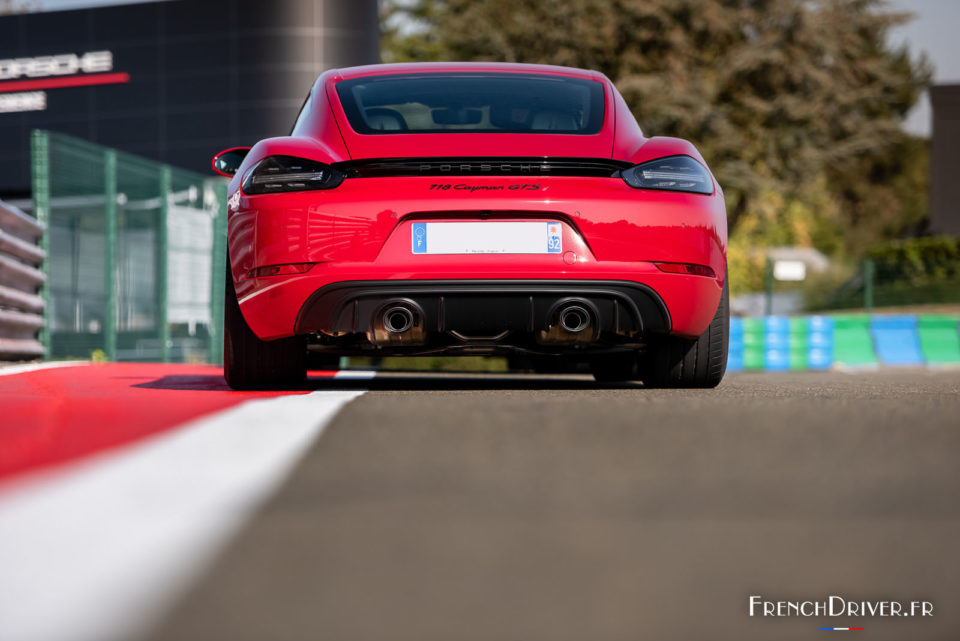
{"x": 12, "y": 6}
{"x": 794, "y": 103}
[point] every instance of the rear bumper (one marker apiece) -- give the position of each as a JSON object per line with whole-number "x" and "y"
{"x": 626, "y": 304}
{"x": 519, "y": 314}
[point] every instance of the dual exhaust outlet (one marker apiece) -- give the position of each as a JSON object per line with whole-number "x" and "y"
{"x": 569, "y": 322}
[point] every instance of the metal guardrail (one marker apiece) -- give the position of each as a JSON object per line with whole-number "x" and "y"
{"x": 21, "y": 274}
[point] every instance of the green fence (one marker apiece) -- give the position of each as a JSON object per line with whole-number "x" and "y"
{"x": 136, "y": 254}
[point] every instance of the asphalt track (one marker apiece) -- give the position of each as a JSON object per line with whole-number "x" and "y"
{"x": 462, "y": 507}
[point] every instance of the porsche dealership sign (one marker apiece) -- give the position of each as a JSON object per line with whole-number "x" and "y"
{"x": 62, "y": 65}
{"x": 23, "y": 101}
{"x": 174, "y": 80}
{"x": 24, "y": 81}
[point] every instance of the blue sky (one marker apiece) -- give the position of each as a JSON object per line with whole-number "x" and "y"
{"x": 933, "y": 32}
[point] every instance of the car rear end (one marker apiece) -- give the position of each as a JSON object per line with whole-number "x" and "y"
{"x": 475, "y": 209}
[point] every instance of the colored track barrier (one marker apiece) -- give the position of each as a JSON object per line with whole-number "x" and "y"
{"x": 753, "y": 356}
{"x": 852, "y": 342}
{"x": 780, "y": 343}
{"x": 776, "y": 343}
{"x": 939, "y": 339}
{"x": 735, "y": 354}
{"x": 798, "y": 343}
{"x": 819, "y": 342}
{"x": 896, "y": 340}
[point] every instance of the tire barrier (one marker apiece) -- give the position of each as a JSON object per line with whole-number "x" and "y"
{"x": 21, "y": 260}
{"x": 780, "y": 343}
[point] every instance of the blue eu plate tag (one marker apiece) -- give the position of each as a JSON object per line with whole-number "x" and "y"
{"x": 419, "y": 238}
{"x": 554, "y": 242}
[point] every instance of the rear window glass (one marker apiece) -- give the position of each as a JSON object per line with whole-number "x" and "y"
{"x": 472, "y": 103}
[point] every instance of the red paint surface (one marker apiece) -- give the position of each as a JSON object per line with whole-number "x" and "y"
{"x": 60, "y": 414}
{"x": 361, "y": 231}
{"x": 62, "y": 82}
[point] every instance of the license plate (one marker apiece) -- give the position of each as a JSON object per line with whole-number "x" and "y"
{"x": 493, "y": 237}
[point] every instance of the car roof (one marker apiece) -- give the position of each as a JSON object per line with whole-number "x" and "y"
{"x": 485, "y": 67}
{"x": 460, "y": 143}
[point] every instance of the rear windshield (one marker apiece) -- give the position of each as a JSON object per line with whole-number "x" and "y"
{"x": 472, "y": 103}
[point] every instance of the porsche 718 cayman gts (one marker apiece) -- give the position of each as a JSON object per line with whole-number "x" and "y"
{"x": 477, "y": 208}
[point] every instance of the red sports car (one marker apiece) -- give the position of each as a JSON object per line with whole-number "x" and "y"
{"x": 474, "y": 209}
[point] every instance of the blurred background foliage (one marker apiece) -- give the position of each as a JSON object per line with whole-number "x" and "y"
{"x": 796, "y": 104}
{"x": 14, "y": 6}
{"x": 913, "y": 271}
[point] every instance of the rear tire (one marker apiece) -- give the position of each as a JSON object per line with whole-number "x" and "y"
{"x": 682, "y": 362}
{"x": 250, "y": 363}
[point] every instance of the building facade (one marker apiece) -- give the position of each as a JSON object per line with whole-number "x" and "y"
{"x": 944, "y": 160}
{"x": 176, "y": 80}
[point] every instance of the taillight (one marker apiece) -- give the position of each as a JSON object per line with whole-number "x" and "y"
{"x": 674, "y": 173}
{"x": 279, "y": 174}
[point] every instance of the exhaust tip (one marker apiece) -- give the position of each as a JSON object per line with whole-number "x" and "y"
{"x": 397, "y": 320}
{"x": 574, "y": 319}
{"x": 571, "y": 321}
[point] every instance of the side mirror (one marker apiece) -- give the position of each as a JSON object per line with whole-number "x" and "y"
{"x": 228, "y": 161}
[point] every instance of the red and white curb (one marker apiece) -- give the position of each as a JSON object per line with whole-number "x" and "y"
{"x": 98, "y": 550}
{"x": 8, "y": 370}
